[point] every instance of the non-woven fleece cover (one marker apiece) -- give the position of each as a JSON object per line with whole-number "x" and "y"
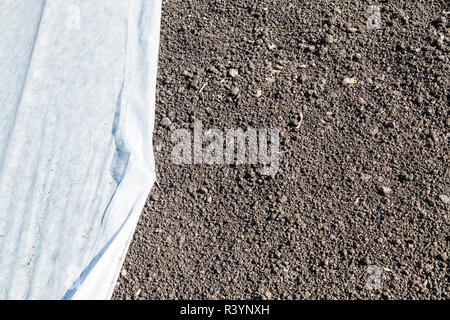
{"x": 77, "y": 87}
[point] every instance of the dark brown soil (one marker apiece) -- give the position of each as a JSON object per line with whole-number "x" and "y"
{"x": 363, "y": 180}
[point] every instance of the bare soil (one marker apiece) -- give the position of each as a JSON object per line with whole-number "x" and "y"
{"x": 363, "y": 178}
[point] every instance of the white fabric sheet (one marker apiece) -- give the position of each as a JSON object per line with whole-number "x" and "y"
{"x": 77, "y": 86}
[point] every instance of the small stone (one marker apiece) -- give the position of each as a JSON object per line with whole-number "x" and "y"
{"x": 123, "y": 273}
{"x": 293, "y": 123}
{"x": 352, "y": 30}
{"x": 235, "y": 91}
{"x": 203, "y": 190}
{"x": 401, "y": 47}
{"x": 404, "y": 17}
{"x": 434, "y": 136}
{"x": 137, "y": 294}
{"x": 357, "y": 57}
{"x": 267, "y": 295}
{"x": 213, "y": 70}
{"x": 419, "y": 100}
{"x": 362, "y": 101}
{"x": 311, "y": 48}
{"x": 258, "y": 93}
{"x": 154, "y": 197}
{"x": 444, "y": 198}
{"x": 158, "y": 147}
{"x": 209, "y": 199}
{"x": 328, "y": 39}
{"x": 374, "y": 131}
{"x": 233, "y": 73}
{"x": 187, "y": 74}
{"x": 283, "y": 199}
{"x": 385, "y": 191}
{"x": 166, "y": 122}
{"x": 195, "y": 84}
{"x": 349, "y": 81}
{"x": 324, "y": 263}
